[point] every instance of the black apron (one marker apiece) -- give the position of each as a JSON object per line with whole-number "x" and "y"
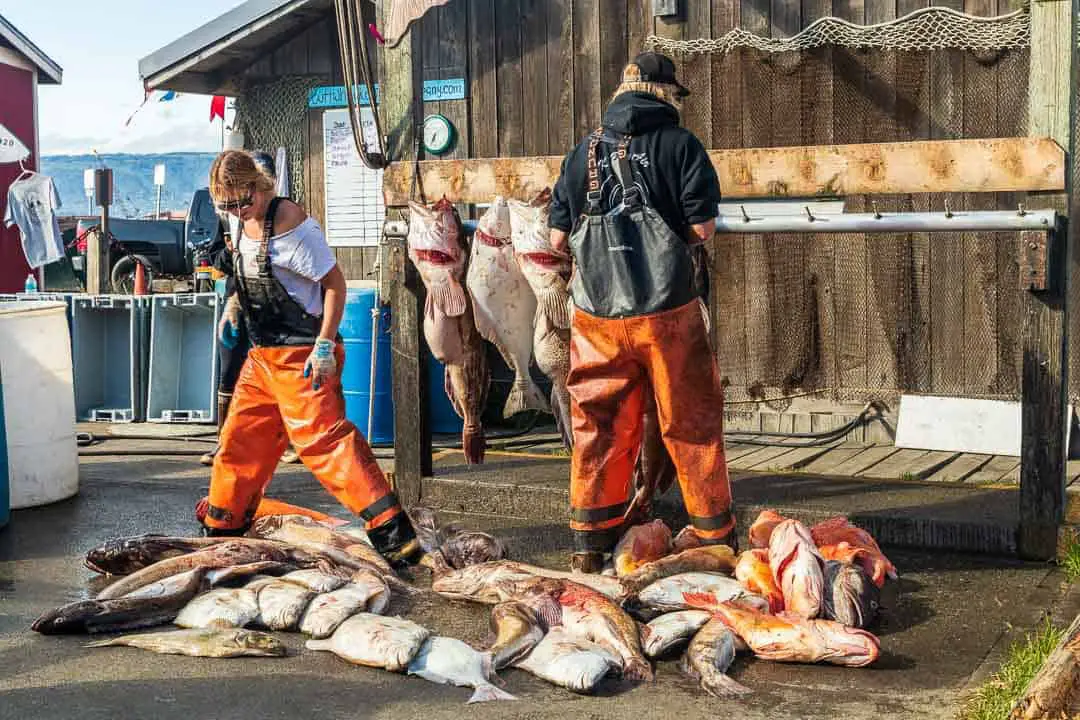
{"x": 628, "y": 262}
{"x": 272, "y": 316}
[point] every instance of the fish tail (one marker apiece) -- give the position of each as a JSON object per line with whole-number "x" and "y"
{"x": 488, "y": 692}
{"x": 318, "y": 644}
{"x": 524, "y": 395}
{"x": 108, "y": 642}
{"x": 720, "y": 685}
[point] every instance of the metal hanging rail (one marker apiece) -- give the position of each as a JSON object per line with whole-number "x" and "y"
{"x": 965, "y": 221}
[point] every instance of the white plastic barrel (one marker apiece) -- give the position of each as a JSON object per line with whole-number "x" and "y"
{"x": 39, "y": 403}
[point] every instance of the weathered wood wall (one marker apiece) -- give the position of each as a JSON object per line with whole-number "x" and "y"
{"x": 854, "y": 315}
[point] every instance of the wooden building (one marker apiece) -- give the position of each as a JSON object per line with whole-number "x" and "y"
{"x": 841, "y": 318}
{"x": 23, "y": 67}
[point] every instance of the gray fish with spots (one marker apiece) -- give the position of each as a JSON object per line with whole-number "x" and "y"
{"x": 202, "y": 643}
{"x": 851, "y": 597}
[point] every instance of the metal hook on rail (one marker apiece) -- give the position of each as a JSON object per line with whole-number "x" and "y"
{"x": 745, "y": 217}
{"x": 948, "y": 212}
{"x": 809, "y": 214}
{"x": 1020, "y": 210}
{"x": 873, "y": 205}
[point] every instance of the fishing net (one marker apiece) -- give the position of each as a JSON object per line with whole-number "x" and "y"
{"x": 932, "y": 28}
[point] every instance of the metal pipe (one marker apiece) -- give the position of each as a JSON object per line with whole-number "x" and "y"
{"x": 973, "y": 221}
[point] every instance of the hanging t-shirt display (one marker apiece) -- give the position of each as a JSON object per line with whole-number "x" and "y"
{"x": 31, "y": 204}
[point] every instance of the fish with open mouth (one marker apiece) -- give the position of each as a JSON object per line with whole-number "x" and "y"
{"x": 641, "y": 544}
{"x": 155, "y": 604}
{"x": 448, "y": 661}
{"x": 708, "y": 658}
{"x": 790, "y": 638}
{"x": 547, "y": 272}
{"x": 436, "y": 247}
{"x": 202, "y": 643}
{"x": 570, "y": 661}
{"x": 517, "y": 631}
{"x": 504, "y": 305}
{"x": 375, "y": 641}
{"x": 796, "y": 566}
{"x": 851, "y": 597}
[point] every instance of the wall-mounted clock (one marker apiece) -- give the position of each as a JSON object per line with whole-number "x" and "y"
{"x": 438, "y": 134}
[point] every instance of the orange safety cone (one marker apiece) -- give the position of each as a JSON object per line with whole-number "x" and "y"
{"x": 140, "y": 279}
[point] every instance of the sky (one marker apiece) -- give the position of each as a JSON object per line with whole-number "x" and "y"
{"x": 98, "y": 44}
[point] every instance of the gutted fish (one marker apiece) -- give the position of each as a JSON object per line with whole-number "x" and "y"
{"x": 671, "y": 630}
{"x": 220, "y": 609}
{"x": 202, "y": 643}
{"x": 699, "y": 590}
{"x": 753, "y": 571}
{"x": 448, "y": 661}
{"x": 517, "y": 631}
{"x": 790, "y": 638}
{"x": 375, "y": 641}
{"x": 547, "y": 272}
{"x": 282, "y": 604}
{"x": 641, "y": 544}
{"x": 708, "y": 658}
{"x": 367, "y": 592}
{"x": 158, "y": 603}
{"x": 851, "y": 597}
{"x": 504, "y": 305}
{"x": 570, "y": 661}
{"x": 436, "y": 247}
{"x": 796, "y": 566}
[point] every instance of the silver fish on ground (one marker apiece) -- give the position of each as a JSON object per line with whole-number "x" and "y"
{"x": 517, "y": 631}
{"x": 796, "y": 564}
{"x": 125, "y": 555}
{"x": 158, "y": 603}
{"x": 367, "y": 592}
{"x": 375, "y": 641}
{"x": 504, "y": 304}
{"x": 480, "y": 582}
{"x": 697, "y": 590}
{"x": 851, "y": 597}
{"x": 223, "y": 555}
{"x": 315, "y": 580}
{"x": 708, "y": 658}
{"x": 671, "y": 630}
{"x": 448, "y": 661}
{"x": 282, "y": 604}
{"x": 436, "y": 247}
{"x": 547, "y": 272}
{"x": 569, "y": 661}
{"x": 220, "y": 609}
{"x": 202, "y": 643}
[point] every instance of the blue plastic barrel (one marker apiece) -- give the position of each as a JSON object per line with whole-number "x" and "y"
{"x": 5, "y": 489}
{"x": 355, "y": 332}
{"x": 441, "y": 414}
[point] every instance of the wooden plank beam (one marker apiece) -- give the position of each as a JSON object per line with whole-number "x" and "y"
{"x": 412, "y": 432}
{"x": 992, "y": 472}
{"x": 960, "y": 468}
{"x": 933, "y": 166}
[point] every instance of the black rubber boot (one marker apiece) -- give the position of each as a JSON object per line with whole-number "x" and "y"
{"x": 587, "y": 562}
{"x": 396, "y": 541}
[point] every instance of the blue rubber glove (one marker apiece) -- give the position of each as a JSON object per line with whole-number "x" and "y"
{"x": 229, "y": 327}
{"x": 321, "y": 365}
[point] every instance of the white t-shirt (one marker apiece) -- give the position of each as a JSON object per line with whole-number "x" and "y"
{"x": 32, "y": 204}
{"x": 300, "y": 259}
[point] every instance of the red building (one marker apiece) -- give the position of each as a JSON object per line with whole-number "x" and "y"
{"x": 22, "y": 68}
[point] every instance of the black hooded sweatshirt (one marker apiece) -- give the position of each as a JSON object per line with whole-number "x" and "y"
{"x": 670, "y": 167}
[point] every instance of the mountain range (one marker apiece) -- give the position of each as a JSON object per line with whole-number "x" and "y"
{"x": 134, "y": 193}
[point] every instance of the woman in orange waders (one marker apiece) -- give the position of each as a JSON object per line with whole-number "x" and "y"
{"x": 633, "y": 200}
{"x": 292, "y": 294}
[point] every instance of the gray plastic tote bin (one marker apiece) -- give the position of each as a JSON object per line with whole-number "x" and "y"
{"x": 183, "y": 358}
{"x": 110, "y": 335}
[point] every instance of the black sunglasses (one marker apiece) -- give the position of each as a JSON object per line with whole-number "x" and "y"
{"x": 241, "y": 204}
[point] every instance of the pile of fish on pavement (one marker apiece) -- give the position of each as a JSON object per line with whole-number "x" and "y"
{"x": 797, "y": 595}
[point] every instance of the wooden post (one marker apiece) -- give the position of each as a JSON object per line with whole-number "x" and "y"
{"x": 97, "y": 243}
{"x": 1045, "y": 381}
{"x": 399, "y": 106}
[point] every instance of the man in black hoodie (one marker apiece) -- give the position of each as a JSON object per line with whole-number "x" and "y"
{"x": 634, "y": 203}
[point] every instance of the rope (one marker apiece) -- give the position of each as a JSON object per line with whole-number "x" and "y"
{"x": 931, "y": 28}
{"x": 351, "y": 40}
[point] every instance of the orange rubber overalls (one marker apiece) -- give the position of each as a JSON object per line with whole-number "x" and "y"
{"x": 638, "y": 324}
{"x": 273, "y": 403}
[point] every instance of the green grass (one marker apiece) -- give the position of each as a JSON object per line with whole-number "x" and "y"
{"x": 1070, "y": 563}
{"x": 994, "y": 699}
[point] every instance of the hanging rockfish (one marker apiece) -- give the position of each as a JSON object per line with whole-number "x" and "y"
{"x": 548, "y": 272}
{"x": 436, "y": 247}
{"x": 504, "y": 304}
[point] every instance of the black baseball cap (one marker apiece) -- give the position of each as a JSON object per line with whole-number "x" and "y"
{"x": 658, "y": 68}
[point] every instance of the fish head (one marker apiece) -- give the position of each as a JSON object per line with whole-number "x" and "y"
{"x": 851, "y": 597}
{"x": 259, "y": 642}
{"x": 70, "y": 618}
{"x": 435, "y": 242}
{"x": 538, "y": 259}
{"x": 853, "y": 646}
{"x": 472, "y": 548}
{"x": 482, "y": 582}
{"x": 762, "y": 529}
{"x": 493, "y": 228}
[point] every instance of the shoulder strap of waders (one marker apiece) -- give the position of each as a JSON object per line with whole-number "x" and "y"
{"x": 592, "y": 163}
{"x": 625, "y": 175}
{"x": 262, "y": 259}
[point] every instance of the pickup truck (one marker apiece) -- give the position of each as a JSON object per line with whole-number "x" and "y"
{"x": 164, "y": 247}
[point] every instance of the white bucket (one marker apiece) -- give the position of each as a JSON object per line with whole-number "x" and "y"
{"x": 39, "y": 403}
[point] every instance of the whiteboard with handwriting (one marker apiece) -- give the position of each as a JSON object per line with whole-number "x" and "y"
{"x": 354, "y": 201}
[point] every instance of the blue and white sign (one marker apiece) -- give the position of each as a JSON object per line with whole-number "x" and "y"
{"x": 334, "y": 96}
